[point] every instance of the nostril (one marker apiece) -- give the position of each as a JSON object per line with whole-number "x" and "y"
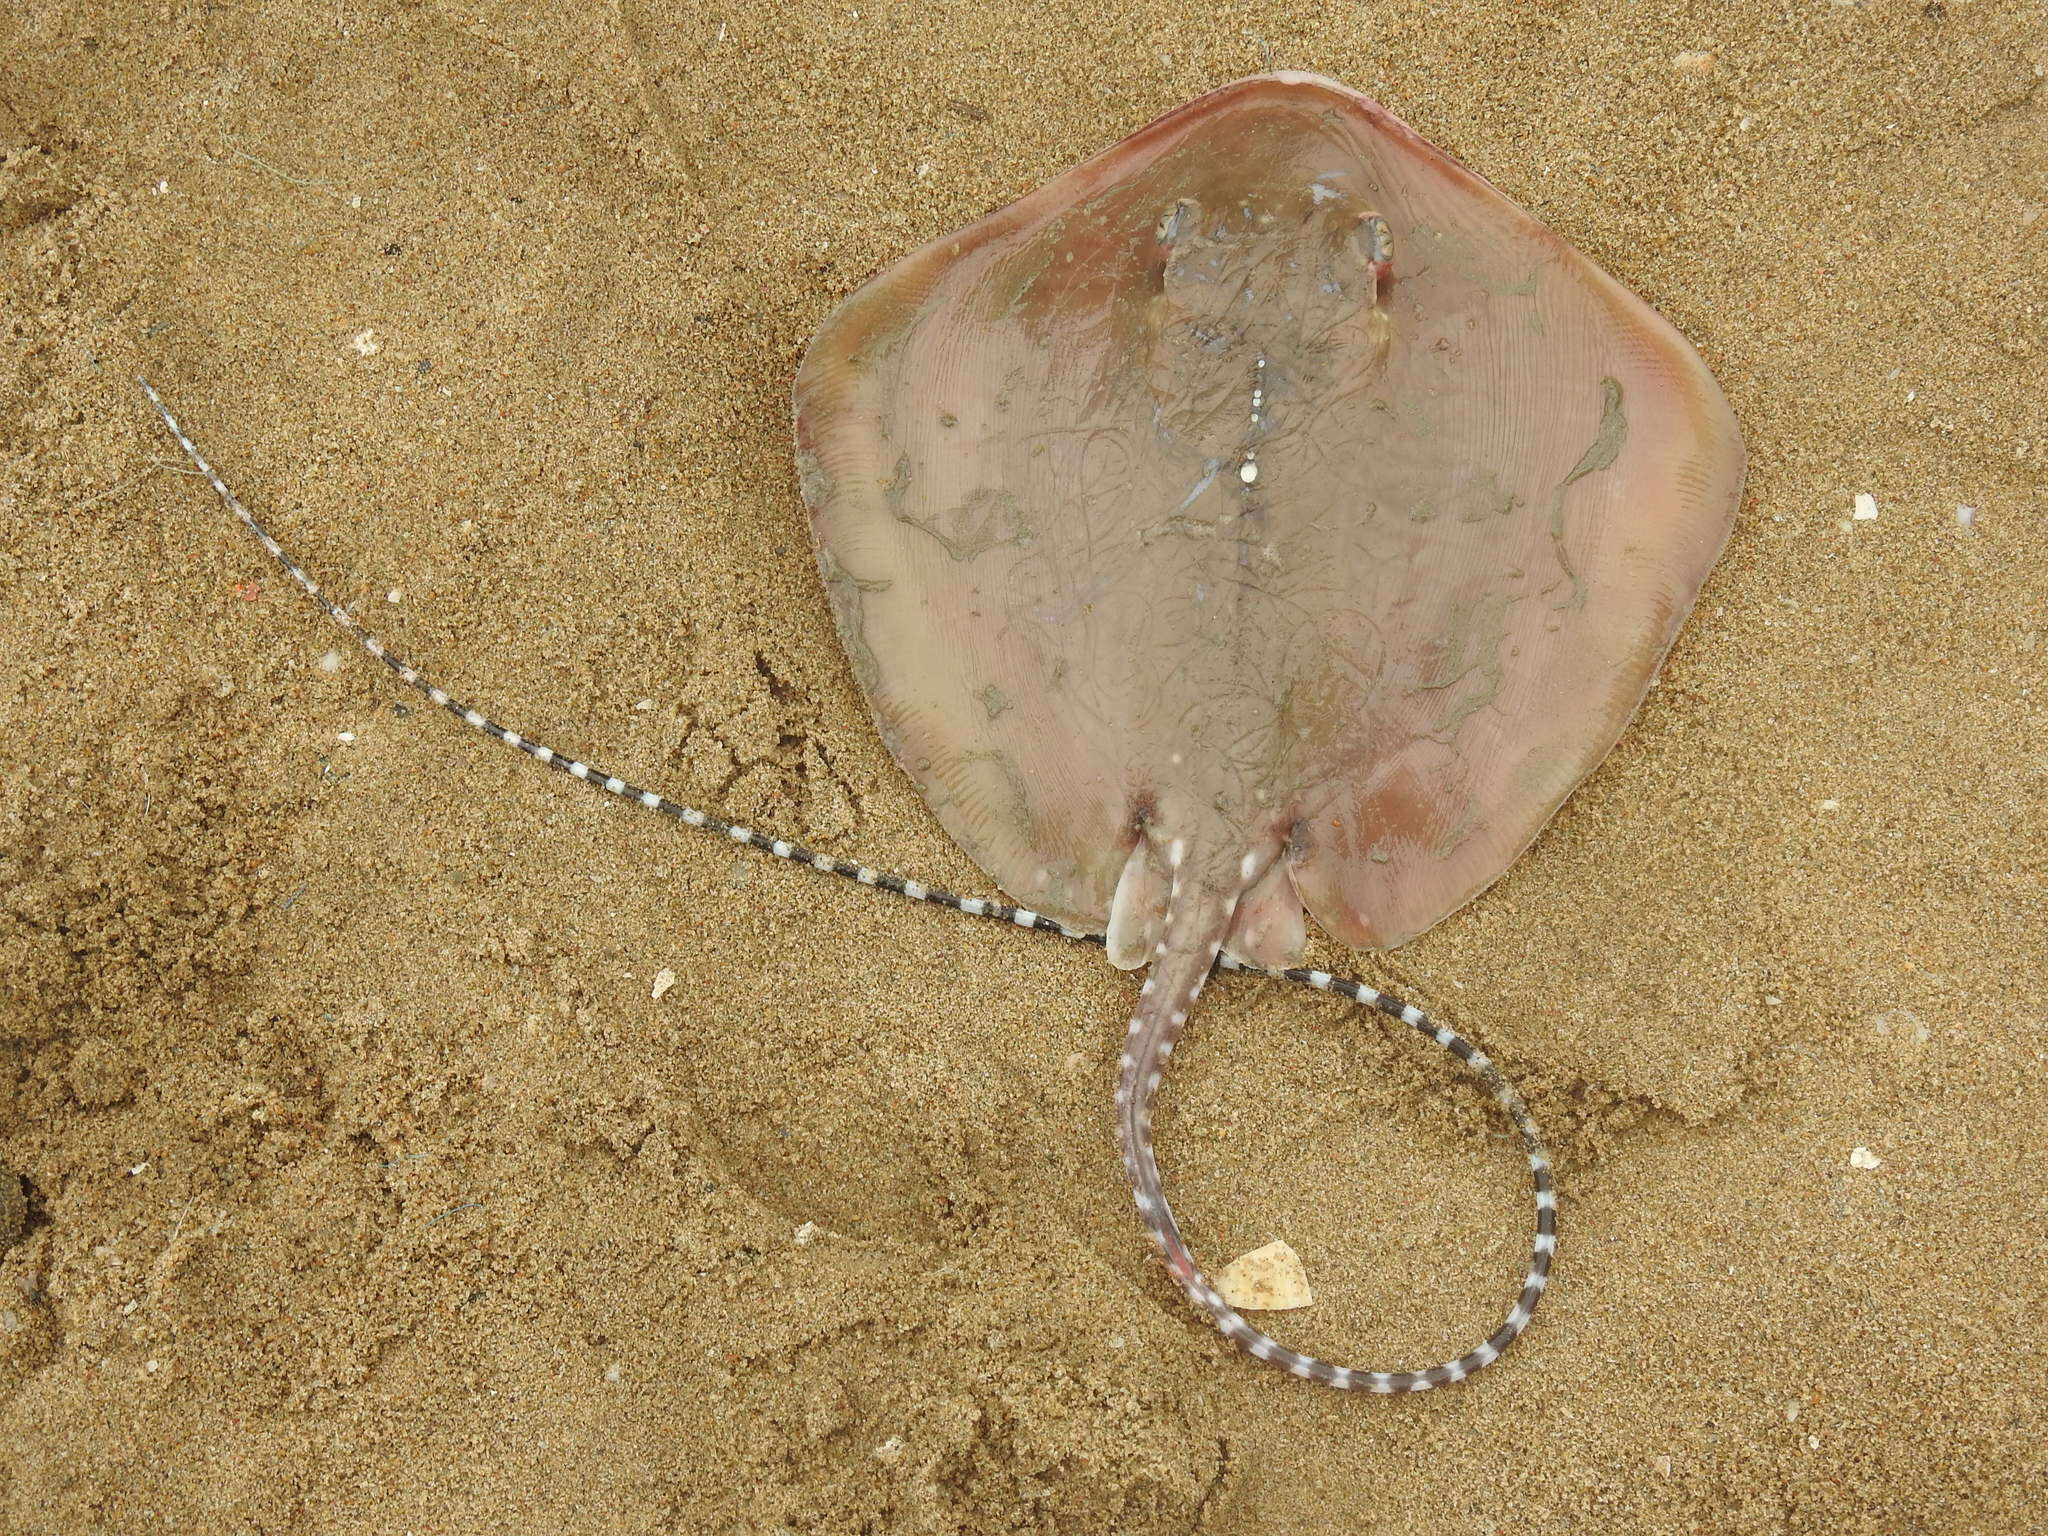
{"x": 1176, "y": 220}
{"x": 1375, "y": 239}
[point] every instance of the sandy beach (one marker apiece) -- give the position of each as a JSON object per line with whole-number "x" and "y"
{"x": 352, "y": 1178}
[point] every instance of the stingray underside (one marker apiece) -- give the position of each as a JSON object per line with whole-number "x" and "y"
{"x": 1268, "y": 486}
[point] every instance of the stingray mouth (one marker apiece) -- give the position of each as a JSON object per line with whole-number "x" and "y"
{"x": 1253, "y": 297}
{"x": 1270, "y": 215}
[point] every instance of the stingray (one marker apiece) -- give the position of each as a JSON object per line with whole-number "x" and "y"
{"x": 1264, "y": 517}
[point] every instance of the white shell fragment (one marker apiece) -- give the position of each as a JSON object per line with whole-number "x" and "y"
{"x": 1268, "y": 1279}
{"x": 1863, "y": 1157}
{"x": 663, "y": 980}
{"x": 1866, "y": 507}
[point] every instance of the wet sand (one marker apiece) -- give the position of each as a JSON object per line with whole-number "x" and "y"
{"x": 364, "y": 1187}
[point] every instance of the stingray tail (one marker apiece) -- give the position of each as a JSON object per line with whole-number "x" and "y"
{"x": 1198, "y": 917}
{"x": 1196, "y": 921}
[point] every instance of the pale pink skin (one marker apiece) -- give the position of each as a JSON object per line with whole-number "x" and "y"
{"x": 1264, "y": 514}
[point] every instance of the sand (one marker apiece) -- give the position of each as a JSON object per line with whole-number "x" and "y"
{"x": 357, "y": 1182}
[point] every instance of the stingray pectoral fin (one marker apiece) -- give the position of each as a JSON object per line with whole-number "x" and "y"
{"x": 1269, "y": 930}
{"x": 1137, "y": 913}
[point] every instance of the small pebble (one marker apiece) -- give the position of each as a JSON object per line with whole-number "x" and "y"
{"x": 890, "y": 1450}
{"x": 1268, "y": 1279}
{"x": 1863, "y": 1157}
{"x": 395, "y": 594}
{"x": 806, "y": 1234}
{"x": 1866, "y": 507}
{"x": 1966, "y": 519}
{"x": 366, "y": 343}
{"x": 663, "y": 980}
{"x": 331, "y": 662}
